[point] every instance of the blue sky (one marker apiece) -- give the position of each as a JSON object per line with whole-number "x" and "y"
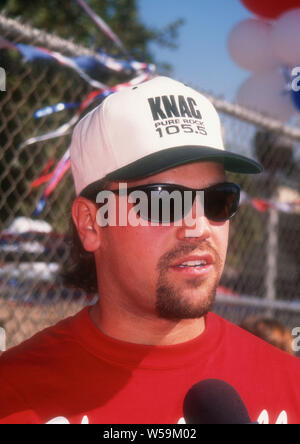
{"x": 202, "y": 58}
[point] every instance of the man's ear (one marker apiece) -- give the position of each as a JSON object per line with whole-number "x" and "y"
{"x": 84, "y": 216}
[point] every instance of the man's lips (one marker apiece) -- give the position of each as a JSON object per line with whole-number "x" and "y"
{"x": 194, "y": 265}
{"x": 207, "y": 258}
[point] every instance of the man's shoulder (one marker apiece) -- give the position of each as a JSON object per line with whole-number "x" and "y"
{"x": 40, "y": 346}
{"x": 38, "y": 367}
{"x": 245, "y": 344}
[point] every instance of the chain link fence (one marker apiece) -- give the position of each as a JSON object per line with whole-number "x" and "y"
{"x": 262, "y": 273}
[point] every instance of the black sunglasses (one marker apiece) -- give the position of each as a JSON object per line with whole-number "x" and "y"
{"x": 221, "y": 201}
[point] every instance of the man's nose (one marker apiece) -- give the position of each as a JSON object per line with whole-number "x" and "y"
{"x": 195, "y": 223}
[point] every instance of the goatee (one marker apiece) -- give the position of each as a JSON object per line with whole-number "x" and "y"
{"x": 171, "y": 303}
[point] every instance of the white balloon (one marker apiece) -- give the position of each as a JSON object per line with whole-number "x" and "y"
{"x": 286, "y": 37}
{"x": 250, "y": 45}
{"x": 266, "y": 93}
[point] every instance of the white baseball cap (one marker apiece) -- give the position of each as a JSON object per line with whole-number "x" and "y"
{"x": 148, "y": 128}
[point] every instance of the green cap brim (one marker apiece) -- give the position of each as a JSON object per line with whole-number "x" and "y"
{"x": 172, "y": 157}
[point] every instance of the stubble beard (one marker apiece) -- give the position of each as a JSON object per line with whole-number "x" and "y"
{"x": 171, "y": 303}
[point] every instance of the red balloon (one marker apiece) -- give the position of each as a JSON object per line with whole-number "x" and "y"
{"x": 270, "y": 8}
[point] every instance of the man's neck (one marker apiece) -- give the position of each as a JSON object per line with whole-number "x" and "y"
{"x": 151, "y": 330}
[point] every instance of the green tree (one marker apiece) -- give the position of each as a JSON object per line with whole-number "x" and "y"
{"x": 31, "y": 85}
{"x": 68, "y": 20}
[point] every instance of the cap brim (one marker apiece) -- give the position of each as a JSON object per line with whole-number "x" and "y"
{"x": 172, "y": 157}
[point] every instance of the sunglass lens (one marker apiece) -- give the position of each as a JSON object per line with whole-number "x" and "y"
{"x": 169, "y": 204}
{"x": 221, "y": 202}
{"x": 165, "y": 205}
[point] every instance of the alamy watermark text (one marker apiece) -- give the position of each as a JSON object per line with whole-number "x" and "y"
{"x": 123, "y": 213}
{"x": 296, "y": 341}
{"x": 2, "y": 340}
{"x": 2, "y": 79}
{"x": 295, "y": 85}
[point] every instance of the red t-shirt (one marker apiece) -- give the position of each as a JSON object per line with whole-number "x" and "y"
{"x": 73, "y": 373}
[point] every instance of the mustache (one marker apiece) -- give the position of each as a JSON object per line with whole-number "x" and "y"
{"x": 185, "y": 249}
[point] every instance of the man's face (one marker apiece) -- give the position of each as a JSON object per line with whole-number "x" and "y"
{"x": 155, "y": 270}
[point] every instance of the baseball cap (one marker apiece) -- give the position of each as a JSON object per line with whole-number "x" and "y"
{"x": 145, "y": 129}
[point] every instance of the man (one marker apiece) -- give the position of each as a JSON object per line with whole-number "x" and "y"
{"x": 133, "y": 356}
